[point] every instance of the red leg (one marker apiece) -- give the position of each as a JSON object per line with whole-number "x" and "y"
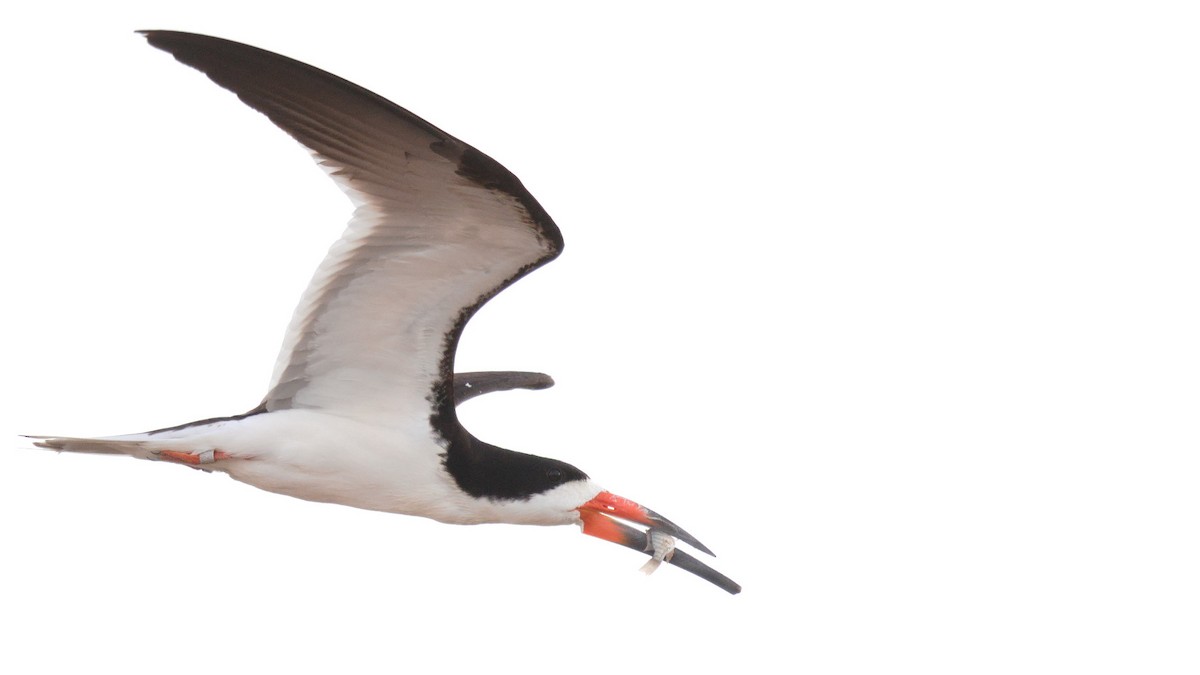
{"x": 188, "y": 458}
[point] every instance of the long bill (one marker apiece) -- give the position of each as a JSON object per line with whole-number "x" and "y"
{"x": 598, "y": 516}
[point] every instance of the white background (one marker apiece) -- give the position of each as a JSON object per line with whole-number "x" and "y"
{"x": 894, "y": 305}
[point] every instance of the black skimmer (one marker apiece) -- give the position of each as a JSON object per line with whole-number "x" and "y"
{"x": 361, "y": 406}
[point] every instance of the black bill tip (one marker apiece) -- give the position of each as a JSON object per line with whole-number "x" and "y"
{"x": 663, "y": 525}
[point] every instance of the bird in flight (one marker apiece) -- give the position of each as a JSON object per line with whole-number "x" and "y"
{"x": 361, "y": 405}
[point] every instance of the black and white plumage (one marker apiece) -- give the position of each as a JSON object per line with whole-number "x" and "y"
{"x": 361, "y": 406}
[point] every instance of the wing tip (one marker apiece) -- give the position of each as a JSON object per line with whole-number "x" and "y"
{"x": 153, "y": 35}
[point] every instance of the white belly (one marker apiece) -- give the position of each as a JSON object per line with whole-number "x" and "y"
{"x": 326, "y": 458}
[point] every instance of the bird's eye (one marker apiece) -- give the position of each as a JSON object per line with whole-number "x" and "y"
{"x": 554, "y": 473}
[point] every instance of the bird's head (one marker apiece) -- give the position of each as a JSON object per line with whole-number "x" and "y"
{"x": 513, "y": 487}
